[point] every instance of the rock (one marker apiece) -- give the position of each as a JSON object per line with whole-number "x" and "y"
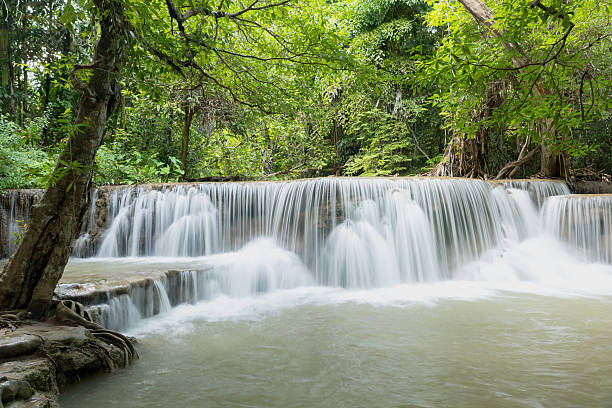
{"x": 38, "y": 372}
{"x": 8, "y": 390}
{"x": 35, "y": 401}
{"x": 591, "y": 187}
{"x": 15, "y": 389}
{"x": 13, "y": 345}
{"x": 68, "y": 335}
{"x": 67, "y": 354}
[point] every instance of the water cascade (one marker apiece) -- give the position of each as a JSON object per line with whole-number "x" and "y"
{"x": 258, "y": 237}
{"x": 244, "y": 239}
{"x": 15, "y": 208}
{"x": 427, "y": 226}
{"x": 353, "y": 292}
{"x": 583, "y": 221}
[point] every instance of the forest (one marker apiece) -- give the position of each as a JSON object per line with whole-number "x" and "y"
{"x": 306, "y": 88}
{"x": 218, "y": 194}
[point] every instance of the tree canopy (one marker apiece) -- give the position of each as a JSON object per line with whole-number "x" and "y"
{"x": 302, "y": 88}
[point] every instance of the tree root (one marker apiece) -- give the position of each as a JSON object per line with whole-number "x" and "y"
{"x": 68, "y": 310}
{"x": 12, "y": 319}
{"x": 509, "y": 169}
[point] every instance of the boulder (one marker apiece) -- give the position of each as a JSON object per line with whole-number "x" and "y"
{"x": 13, "y": 345}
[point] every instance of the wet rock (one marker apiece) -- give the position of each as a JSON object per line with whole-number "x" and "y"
{"x": 38, "y": 372}
{"x": 67, "y": 354}
{"x": 35, "y": 401}
{"x": 591, "y": 187}
{"x": 13, "y": 345}
{"x": 15, "y": 389}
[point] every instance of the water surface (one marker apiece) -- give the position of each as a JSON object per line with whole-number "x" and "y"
{"x": 453, "y": 344}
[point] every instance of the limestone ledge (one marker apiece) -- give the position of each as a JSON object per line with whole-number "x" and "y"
{"x": 39, "y": 359}
{"x": 96, "y": 291}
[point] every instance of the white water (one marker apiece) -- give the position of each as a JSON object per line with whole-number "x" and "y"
{"x": 245, "y": 239}
{"x": 349, "y": 232}
{"x": 583, "y": 221}
{"x": 361, "y": 293}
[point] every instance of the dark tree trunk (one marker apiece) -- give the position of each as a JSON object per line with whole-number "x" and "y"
{"x": 25, "y": 93}
{"x": 189, "y": 113}
{"x": 29, "y": 278}
{"x": 47, "y": 90}
{"x": 6, "y": 56}
{"x": 24, "y": 83}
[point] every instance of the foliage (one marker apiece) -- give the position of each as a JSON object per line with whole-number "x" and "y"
{"x": 387, "y": 147}
{"x": 309, "y": 87}
{"x": 21, "y": 164}
{"x": 115, "y": 166}
{"x": 554, "y": 72}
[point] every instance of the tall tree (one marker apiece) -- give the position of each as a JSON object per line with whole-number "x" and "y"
{"x": 29, "y": 278}
{"x": 237, "y": 49}
{"x": 552, "y": 162}
{"x": 512, "y": 70}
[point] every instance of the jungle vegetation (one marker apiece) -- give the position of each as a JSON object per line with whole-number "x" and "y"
{"x": 304, "y": 88}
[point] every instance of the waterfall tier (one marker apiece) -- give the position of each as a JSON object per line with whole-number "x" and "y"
{"x": 243, "y": 239}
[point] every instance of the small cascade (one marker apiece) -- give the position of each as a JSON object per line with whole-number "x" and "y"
{"x": 585, "y": 222}
{"x": 82, "y": 247}
{"x": 162, "y": 297}
{"x": 15, "y": 206}
{"x": 119, "y": 314}
{"x": 258, "y": 268}
{"x": 539, "y": 190}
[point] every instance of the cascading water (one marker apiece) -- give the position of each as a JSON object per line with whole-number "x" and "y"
{"x": 15, "y": 206}
{"x": 350, "y": 233}
{"x": 351, "y": 292}
{"x": 353, "y": 233}
{"x": 583, "y": 221}
{"x": 422, "y": 227}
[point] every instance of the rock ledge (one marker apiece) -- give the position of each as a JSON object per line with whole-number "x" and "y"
{"x": 39, "y": 359}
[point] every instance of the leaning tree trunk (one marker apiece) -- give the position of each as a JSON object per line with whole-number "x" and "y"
{"x": 552, "y": 162}
{"x": 29, "y": 278}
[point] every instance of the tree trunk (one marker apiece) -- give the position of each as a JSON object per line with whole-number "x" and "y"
{"x": 47, "y": 90}
{"x": 472, "y": 152}
{"x": 25, "y": 93}
{"x": 189, "y": 113}
{"x": 29, "y": 278}
{"x": 552, "y": 163}
{"x": 24, "y": 88}
{"x": 8, "y": 74}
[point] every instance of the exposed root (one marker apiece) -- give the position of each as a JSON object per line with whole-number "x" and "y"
{"x": 108, "y": 359}
{"x": 510, "y": 169}
{"x": 12, "y": 319}
{"x": 108, "y": 336}
{"x": 68, "y": 310}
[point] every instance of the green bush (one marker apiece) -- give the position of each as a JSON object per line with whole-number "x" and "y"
{"x": 21, "y": 164}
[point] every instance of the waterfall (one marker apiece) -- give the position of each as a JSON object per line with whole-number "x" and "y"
{"x": 584, "y": 221}
{"x": 415, "y": 229}
{"x": 244, "y": 239}
{"x": 82, "y": 246}
{"x": 258, "y": 268}
{"x": 15, "y": 206}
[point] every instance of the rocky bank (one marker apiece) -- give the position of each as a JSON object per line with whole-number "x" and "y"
{"x": 38, "y": 359}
